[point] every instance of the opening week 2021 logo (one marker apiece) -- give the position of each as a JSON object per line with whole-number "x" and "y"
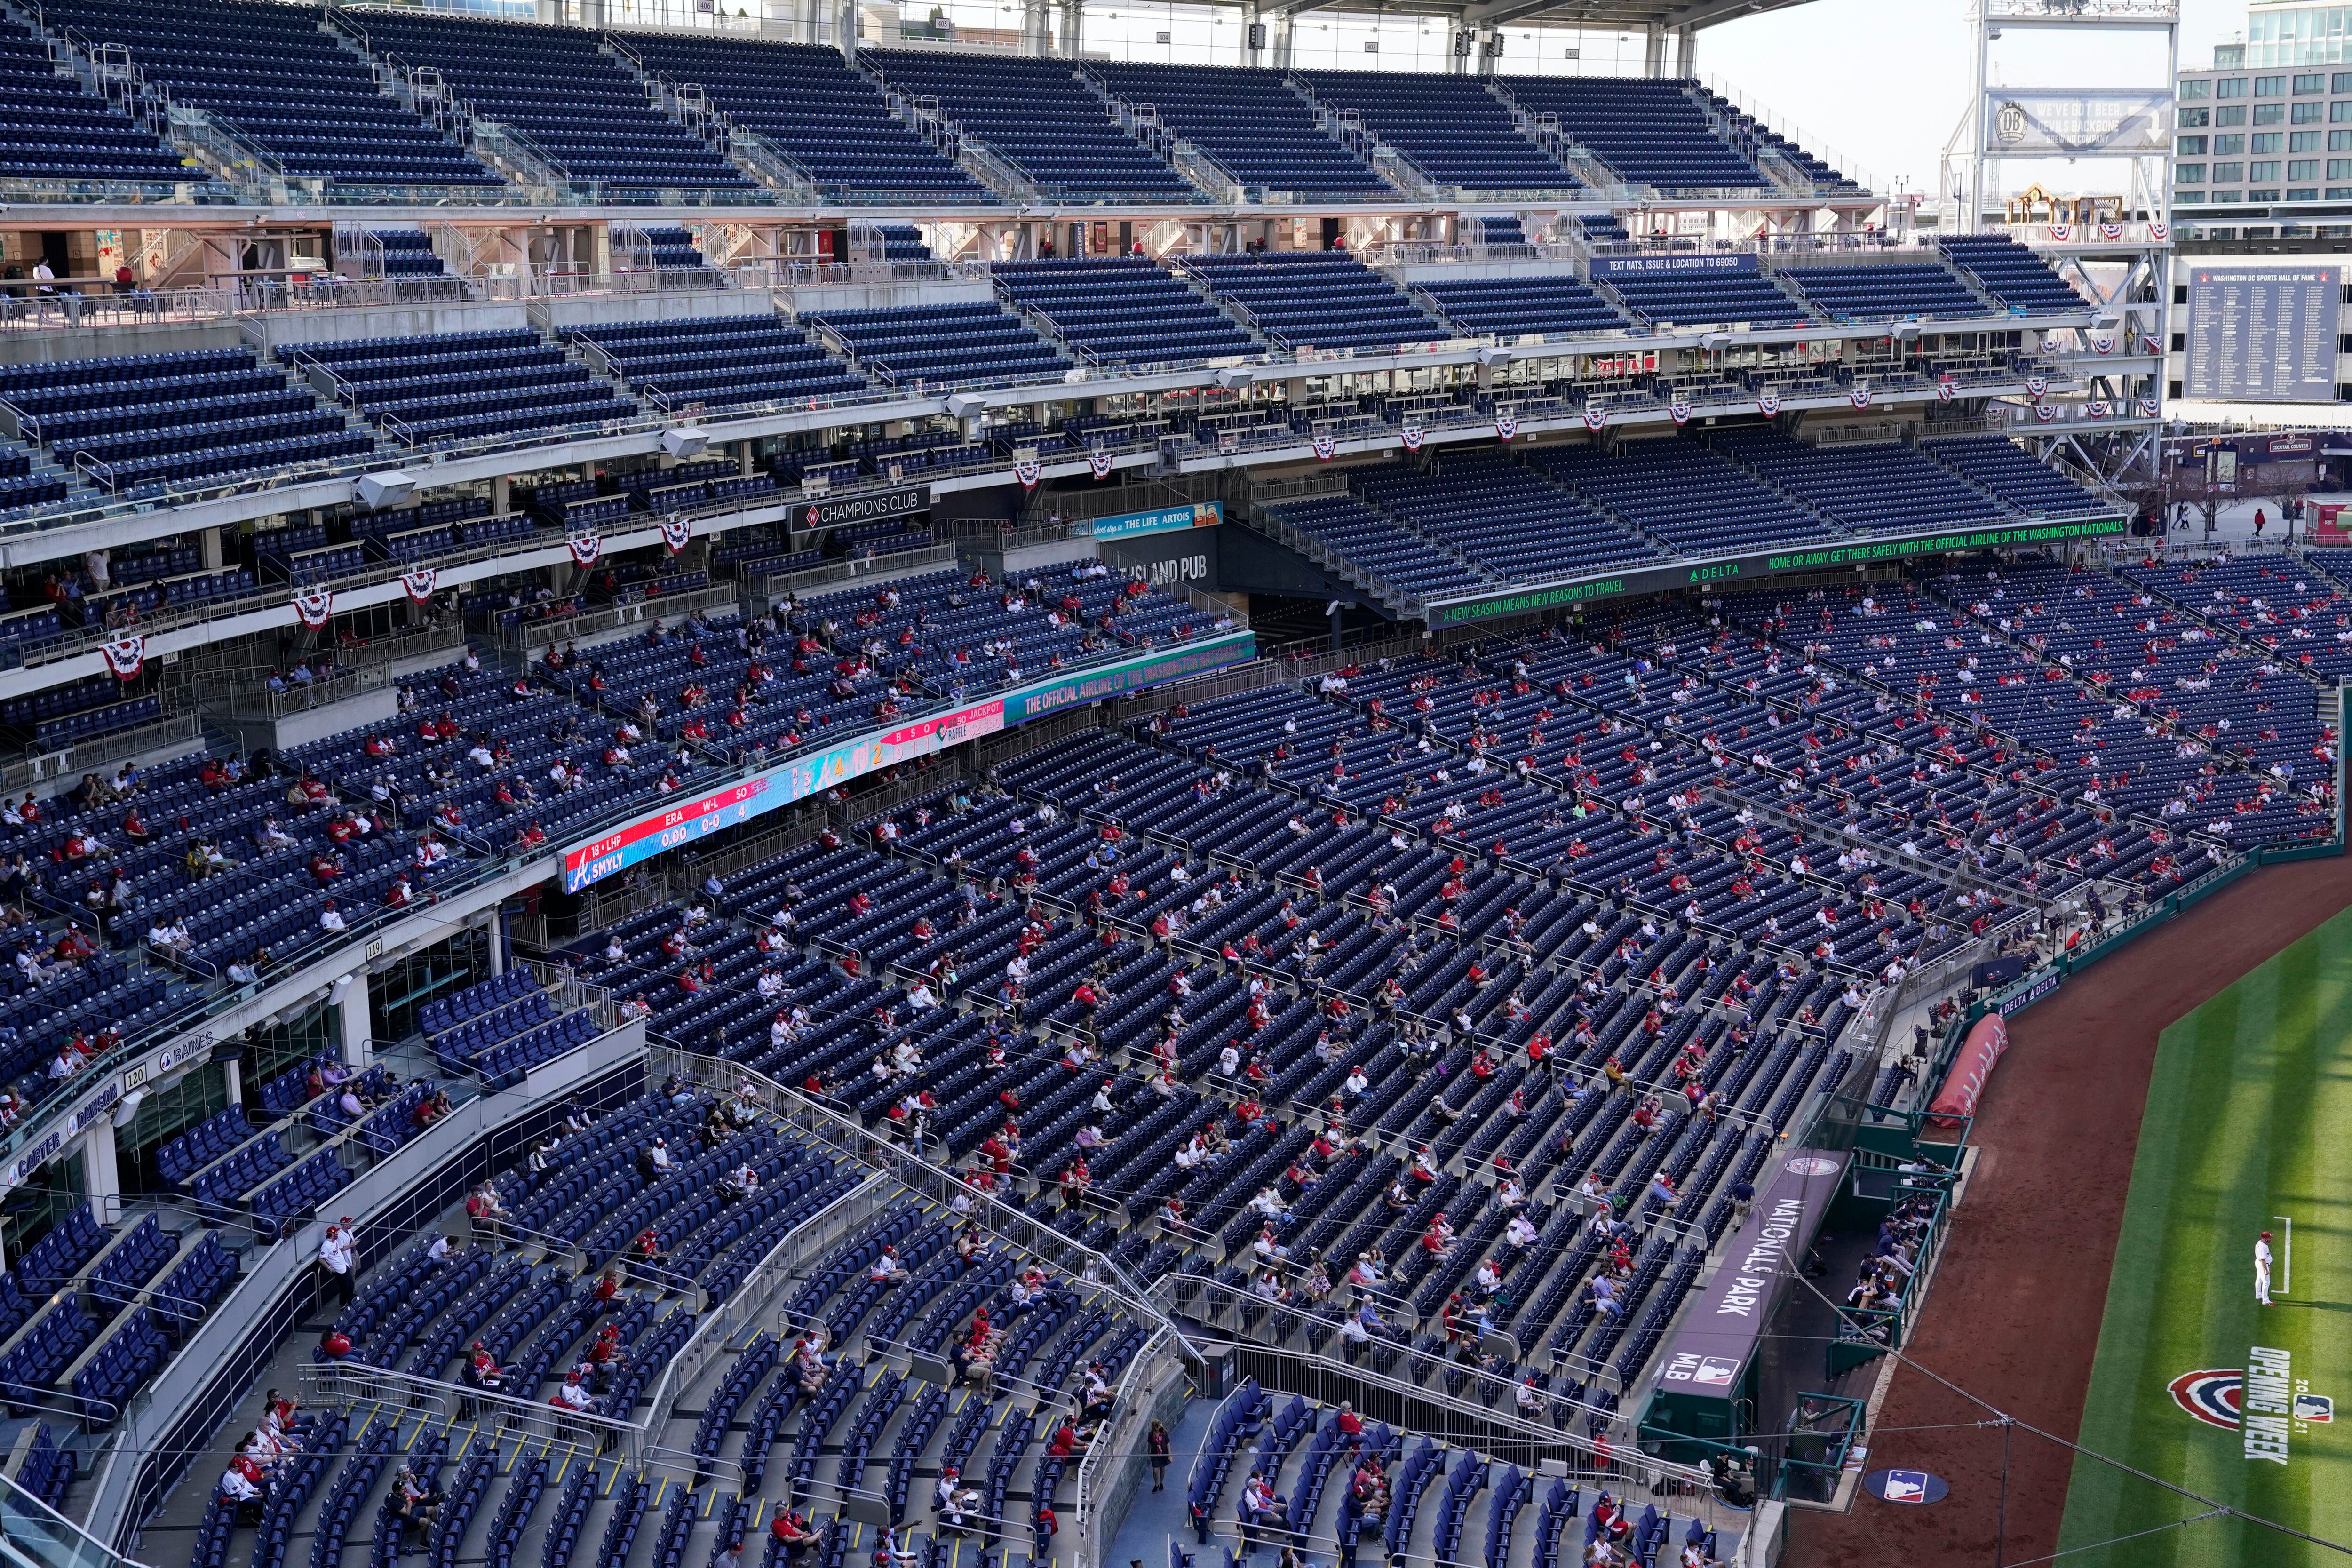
{"x": 2267, "y": 1405}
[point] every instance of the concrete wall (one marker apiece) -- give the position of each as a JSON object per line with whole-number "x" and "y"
{"x": 684, "y": 305}
{"x": 327, "y": 718}
{"x": 102, "y": 342}
{"x": 1463, "y": 271}
{"x": 883, "y": 295}
{"x": 388, "y": 321}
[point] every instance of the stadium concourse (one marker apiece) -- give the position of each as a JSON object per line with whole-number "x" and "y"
{"x": 976, "y": 809}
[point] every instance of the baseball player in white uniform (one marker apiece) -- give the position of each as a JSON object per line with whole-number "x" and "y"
{"x": 2263, "y": 1268}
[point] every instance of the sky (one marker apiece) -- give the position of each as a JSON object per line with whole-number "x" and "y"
{"x": 1886, "y": 96}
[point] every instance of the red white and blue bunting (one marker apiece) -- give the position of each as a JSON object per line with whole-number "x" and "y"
{"x": 2045, "y": 412}
{"x": 1027, "y": 470}
{"x": 1945, "y": 389}
{"x": 1769, "y": 403}
{"x": 313, "y": 605}
{"x": 677, "y": 533}
{"x": 125, "y": 656}
{"x": 1861, "y": 396}
{"x": 1326, "y": 449}
{"x": 1595, "y": 419}
{"x": 1507, "y": 426}
{"x": 418, "y": 584}
{"x": 1679, "y": 411}
{"x": 1098, "y": 463}
{"x": 2035, "y": 385}
{"x": 2096, "y": 408}
{"x": 1414, "y": 438}
{"x": 2148, "y": 407}
{"x": 585, "y": 548}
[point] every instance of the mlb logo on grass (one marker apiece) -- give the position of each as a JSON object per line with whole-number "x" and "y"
{"x": 2314, "y": 1407}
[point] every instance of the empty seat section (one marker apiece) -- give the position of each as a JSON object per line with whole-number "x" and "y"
{"x": 1997, "y": 464}
{"x": 54, "y": 129}
{"x": 1037, "y": 116}
{"x": 1450, "y": 128}
{"x": 1694, "y": 298}
{"x": 1249, "y": 121}
{"x": 302, "y": 96}
{"x": 455, "y": 385}
{"x": 1561, "y": 307}
{"x": 1323, "y": 299}
{"x": 1877, "y": 489}
{"x": 138, "y": 419}
{"x": 1892, "y": 292}
{"x": 2013, "y": 274}
{"x": 407, "y": 253}
{"x": 583, "y": 108}
{"x": 940, "y": 345}
{"x": 1393, "y": 555}
{"x": 1500, "y": 516}
{"x": 1673, "y": 489}
{"x": 805, "y": 102}
{"x": 1652, "y": 131}
{"x": 1760, "y": 144}
{"x": 902, "y": 242}
{"x": 1124, "y": 309}
{"x": 719, "y": 361}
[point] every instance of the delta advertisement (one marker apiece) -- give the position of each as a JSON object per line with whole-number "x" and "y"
{"x": 593, "y": 859}
{"x": 1191, "y": 514}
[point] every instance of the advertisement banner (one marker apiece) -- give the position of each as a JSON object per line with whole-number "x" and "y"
{"x": 1194, "y": 514}
{"x": 1673, "y": 261}
{"x": 1727, "y": 1318}
{"x": 592, "y": 859}
{"x": 1655, "y": 579}
{"x": 2075, "y": 122}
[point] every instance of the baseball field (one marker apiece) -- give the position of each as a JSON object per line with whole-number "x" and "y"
{"x": 2248, "y": 1128}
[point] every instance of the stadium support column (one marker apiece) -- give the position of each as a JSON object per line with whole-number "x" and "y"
{"x": 495, "y": 932}
{"x": 1654, "y": 51}
{"x": 1036, "y": 28}
{"x": 102, "y": 1179}
{"x": 501, "y": 495}
{"x": 1286, "y": 34}
{"x": 1074, "y": 28}
{"x": 354, "y": 1035}
{"x": 1462, "y": 40}
{"x": 1687, "y": 52}
{"x": 1253, "y": 36}
{"x": 233, "y": 1080}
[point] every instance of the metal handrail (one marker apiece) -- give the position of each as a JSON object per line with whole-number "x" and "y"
{"x": 917, "y": 1175}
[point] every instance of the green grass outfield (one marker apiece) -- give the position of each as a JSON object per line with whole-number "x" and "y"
{"x": 2249, "y": 1116}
